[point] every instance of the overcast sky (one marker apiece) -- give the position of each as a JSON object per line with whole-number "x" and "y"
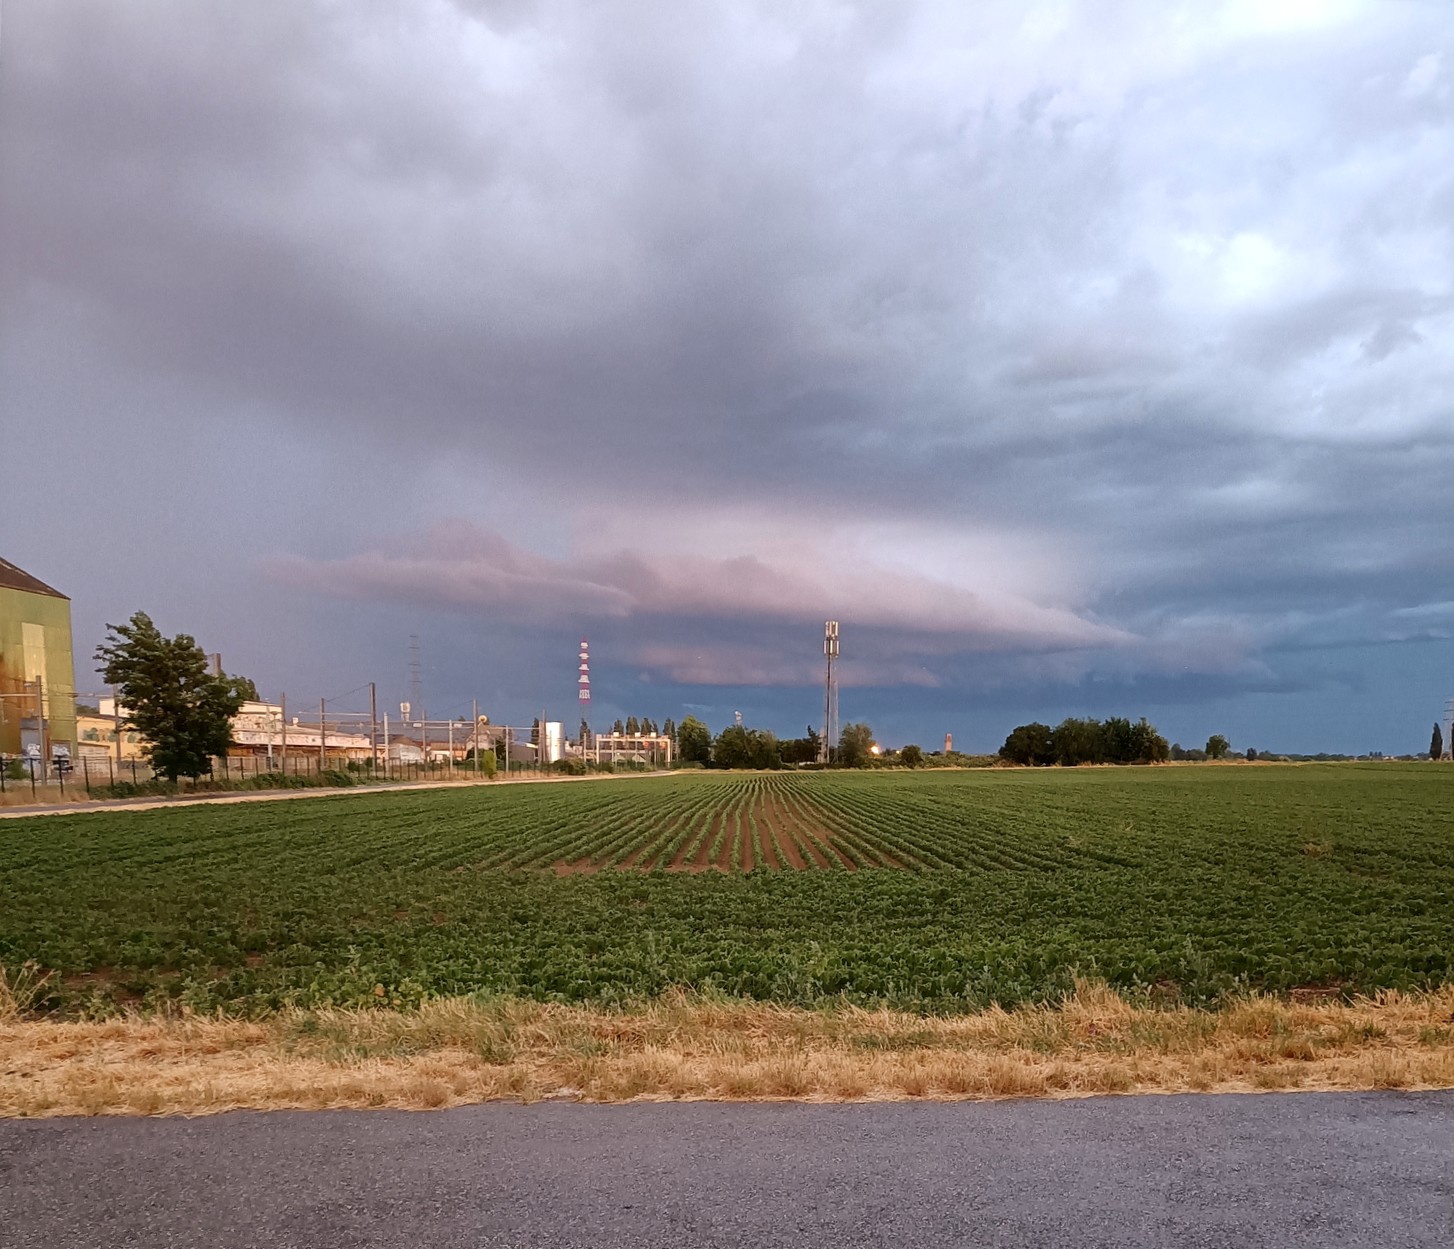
{"x": 1081, "y": 359}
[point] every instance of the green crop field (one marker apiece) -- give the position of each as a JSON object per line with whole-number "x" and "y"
{"x": 937, "y": 891}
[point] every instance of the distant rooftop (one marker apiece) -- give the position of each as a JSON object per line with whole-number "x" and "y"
{"x": 13, "y": 578}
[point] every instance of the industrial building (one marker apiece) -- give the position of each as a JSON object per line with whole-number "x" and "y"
{"x": 37, "y": 670}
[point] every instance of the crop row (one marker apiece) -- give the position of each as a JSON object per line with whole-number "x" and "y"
{"x": 940, "y": 891}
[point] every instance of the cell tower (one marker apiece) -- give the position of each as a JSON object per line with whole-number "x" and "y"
{"x": 416, "y": 679}
{"x": 830, "y": 692}
{"x": 583, "y": 685}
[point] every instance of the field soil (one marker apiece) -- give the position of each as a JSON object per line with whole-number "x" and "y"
{"x": 453, "y": 1052}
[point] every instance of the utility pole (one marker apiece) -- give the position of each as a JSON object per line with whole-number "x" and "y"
{"x": 374, "y": 726}
{"x": 116, "y": 724}
{"x": 386, "y": 743}
{"x": 40, "y": 724}
{"x": 475, "y": 732}
{"x": 322, "y": 738}
{"x": 1449, "y": 728}
{"x": 283, "y": 712}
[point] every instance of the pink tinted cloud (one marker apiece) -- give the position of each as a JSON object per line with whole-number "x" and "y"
{"x": 463, "y": 567}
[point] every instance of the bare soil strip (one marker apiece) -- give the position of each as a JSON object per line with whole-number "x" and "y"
{"x": 749, "y": 852}
{"x": 702, "y": 860}
{"x": 770, "y": 859}
{"x": 819, "y": 834}
{"x": 803, "y": 836}
{"x": 458, "y": 1051}
{"x": 785, "y": 848}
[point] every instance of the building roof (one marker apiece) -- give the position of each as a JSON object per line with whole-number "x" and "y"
{"x": 13, "y": 578}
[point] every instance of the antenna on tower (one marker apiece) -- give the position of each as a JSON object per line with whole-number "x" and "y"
{"x": 583, "y": 686}
{"x": 830, "y": 692}
{"x": 416, "y": 679}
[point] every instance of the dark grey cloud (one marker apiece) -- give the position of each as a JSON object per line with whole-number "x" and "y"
{"x": 1134, "y": 319}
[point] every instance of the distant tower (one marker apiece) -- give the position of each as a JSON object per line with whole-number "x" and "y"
{"x": 737, "y": 718}
{"x": 948, "y": 743}
{"x": 830, "y": 692}
{"x": 583, "y": 685}
{"x": 416, "y": 679}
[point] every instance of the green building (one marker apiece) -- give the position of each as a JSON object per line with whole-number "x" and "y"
{"x": 37, "y": 672}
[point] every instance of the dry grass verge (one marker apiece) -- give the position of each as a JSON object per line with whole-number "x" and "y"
{"x": 453, "y": 1052}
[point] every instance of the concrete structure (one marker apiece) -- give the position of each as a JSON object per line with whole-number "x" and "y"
{"x": 96, "y": 736}
{"x": 631, "y": 748}
{"x": 37, "y": 670}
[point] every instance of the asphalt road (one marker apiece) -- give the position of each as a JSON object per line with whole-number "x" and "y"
{"x": 1323, "y": 1170}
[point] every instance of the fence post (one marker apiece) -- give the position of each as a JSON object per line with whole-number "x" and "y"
{"x": 86, "y": 774}
{"x": 32, "y": 777}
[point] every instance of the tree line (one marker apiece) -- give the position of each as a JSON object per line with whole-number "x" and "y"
{"x": 1073, "y": 742}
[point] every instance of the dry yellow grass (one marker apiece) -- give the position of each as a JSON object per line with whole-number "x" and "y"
{"x": 453, "y": 1052}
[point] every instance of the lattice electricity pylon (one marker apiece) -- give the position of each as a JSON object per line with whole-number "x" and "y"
{"x": 830, "y": 692}
{"x": 583, "y": 690}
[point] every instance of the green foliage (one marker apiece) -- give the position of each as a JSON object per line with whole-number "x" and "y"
{"x": 739, "y": 747}
{"x": 1217, "y": 746}
{"x": 912, "y": 756}
{"x": 1073, "y": 742}
{"x": 694, "y": 742}
{"x": 853, "y": 746}
{"x": 1008, "y": 884}
{"x": 181, "y": 709}
{"x": 243, "y": 687}
{"x": 1436, "y": 743}
{"x": 1078, "y": 741}
{"x": 1029, "y": 745}
{"x": 796, "y": 750}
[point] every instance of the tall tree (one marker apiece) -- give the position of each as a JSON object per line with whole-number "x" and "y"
{"x": 739, "y": 747}
{"x": 1217, "y": 746}
{"x": 1078, "y": 741}
{"x": 181, "y": 710}
{"x": 694, "y": 741}
{"x": 911, "y": 756}
{"x": 244, "y": 688}
{"x": 1436, "y": 743}
{"x": 1029, "y": 745}
{"x": 632, "y": 726}
{"x": 1147, "y": 745}
{"x": 854, "y": 744}
{"x": 669, "y": 729}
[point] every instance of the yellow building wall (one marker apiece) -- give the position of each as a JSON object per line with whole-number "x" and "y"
{"x": 35, "y": 642}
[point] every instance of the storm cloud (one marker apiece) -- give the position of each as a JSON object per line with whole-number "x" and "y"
{"x": 1077, "y": 357}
